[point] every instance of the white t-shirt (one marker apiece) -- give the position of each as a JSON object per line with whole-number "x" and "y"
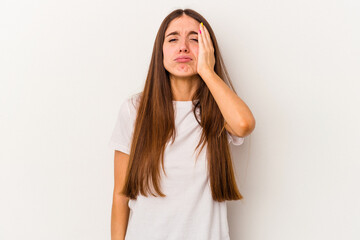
{"x": 188, "y": 211}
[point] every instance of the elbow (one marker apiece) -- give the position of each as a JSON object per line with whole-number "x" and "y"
{"x": 247, "y": 128}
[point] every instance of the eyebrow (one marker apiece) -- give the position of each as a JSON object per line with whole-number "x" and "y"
{"x": 177, "y": 33}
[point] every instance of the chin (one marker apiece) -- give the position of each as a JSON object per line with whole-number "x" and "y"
{"x": 183, "y": 74}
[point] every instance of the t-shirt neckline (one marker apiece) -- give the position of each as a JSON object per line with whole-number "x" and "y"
{"x": 183, "y": 104}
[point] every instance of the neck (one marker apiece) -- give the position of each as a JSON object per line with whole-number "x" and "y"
{"x": 184, "y": 88}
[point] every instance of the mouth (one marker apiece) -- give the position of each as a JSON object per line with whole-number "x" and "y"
{"x": 183, "y": 59}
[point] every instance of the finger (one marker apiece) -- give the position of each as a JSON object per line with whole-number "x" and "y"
{"x": 200, "y": 38}
{"x": 205, "y": 40}
{"x": 208, "y": 38}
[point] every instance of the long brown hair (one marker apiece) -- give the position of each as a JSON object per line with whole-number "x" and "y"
{"x": 155, "y": 125}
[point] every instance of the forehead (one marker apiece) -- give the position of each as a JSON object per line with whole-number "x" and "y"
{"x": 183, "y": 25}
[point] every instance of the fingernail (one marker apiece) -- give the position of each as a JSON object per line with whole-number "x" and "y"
{"x": 199, "y": 31}
{"x": 202, "y": 24}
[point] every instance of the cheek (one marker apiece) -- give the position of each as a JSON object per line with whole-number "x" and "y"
{"x": 195, "y": 50}
{"x": 167, "y": 54}
{"x": 165, "y": 57}
{"x": 196, "y": 54}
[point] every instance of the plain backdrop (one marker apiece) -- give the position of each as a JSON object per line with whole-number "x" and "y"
{"x": 66, "y": 66}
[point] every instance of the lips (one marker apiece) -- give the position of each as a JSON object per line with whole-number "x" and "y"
{"x": 183, "y": 59}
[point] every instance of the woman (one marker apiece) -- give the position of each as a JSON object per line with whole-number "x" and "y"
{"x": 173, "y": 193}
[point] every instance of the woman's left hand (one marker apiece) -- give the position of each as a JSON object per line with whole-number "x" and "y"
{"x": 206, "y": 57}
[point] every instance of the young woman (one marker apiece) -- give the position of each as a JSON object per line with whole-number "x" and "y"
{"x": 173, "y": 167}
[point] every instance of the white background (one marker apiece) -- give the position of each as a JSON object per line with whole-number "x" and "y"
{"x": 65, "y": 67}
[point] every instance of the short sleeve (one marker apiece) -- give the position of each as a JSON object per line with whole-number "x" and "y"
{"x": 235, "y": 139}
{"x": 122, "y": 132}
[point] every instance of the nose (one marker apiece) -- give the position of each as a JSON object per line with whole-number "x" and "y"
{"x": 183, "y": 46}
{"x": 184, "y": 49}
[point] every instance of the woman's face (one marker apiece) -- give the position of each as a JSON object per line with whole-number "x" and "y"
{"x": 182, "y": 43}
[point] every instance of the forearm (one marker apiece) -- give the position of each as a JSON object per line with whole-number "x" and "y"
{"x": 234, "y": 110}
{"x": 119, "y": 217}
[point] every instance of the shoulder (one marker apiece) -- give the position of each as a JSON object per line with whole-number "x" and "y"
{"x": 133, "y": 101}
{"x": 130, "y": 104}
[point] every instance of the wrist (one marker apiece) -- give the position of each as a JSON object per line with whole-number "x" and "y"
{"x": 206, "y": 73}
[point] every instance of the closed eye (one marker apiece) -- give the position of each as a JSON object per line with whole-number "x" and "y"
{"x": 176, "y": 39}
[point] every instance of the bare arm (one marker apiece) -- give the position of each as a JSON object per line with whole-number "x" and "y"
{"x": 240, "y": 120}
{"x": 238, "y": 117}
{"x": 120, "y": 209}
